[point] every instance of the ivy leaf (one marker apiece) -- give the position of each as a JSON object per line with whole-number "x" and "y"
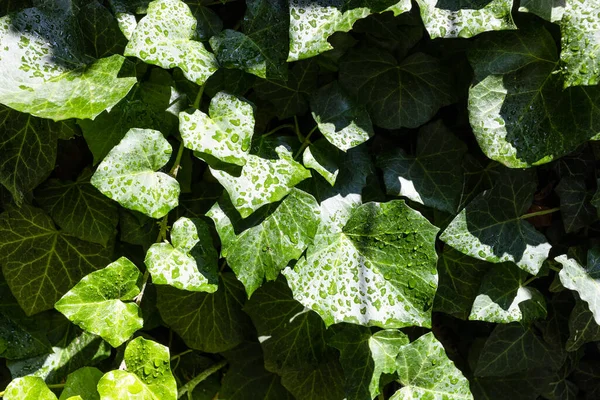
{"x": 82, "y": 382}
{"x": 148, "y": 374}
{"x": 503, "y": 298}
{"x": 344, "y": 123}
{"x": 397, "y": 94}
{"x": 550, "y": 10}
{"x": 100, "y": 30}
{"x": 262, "y": 251}
{"x": 40, "y": 263}
{"x": 127, "y": 174}
{"x": 137, "y": 228}
{"x": 294, "y": 342}
{"x": 434, "y": 176}
{"x": 28, "y": 387}
{"x": 512, "y": 348}
{"x": 465, "y": 19}
{"x": 490, "y": 228}
{"x": 262, "y": 48}
{"x": 164, "y": 37}
{"x": 323, "y": 158}
{"x": 209, "y": 322}
{"x": 311, "y": 24}
{"x": 79, "y": 209}
{"x": 262, "y": 181}
{"x": 376, "y": 272}
{"x": 582, "y": 327}
{"x": 426, "y": 372}
{"x": 580, "y": 47}
{"x": 576, "y": 208}
{"x": 47, "y": 74}
{"x": 28, "y": 145}
{"x": 517, "y": 107}
{"x": 226, "y": 134}
{"x": 209, "y": 23}
{"x": 97, "y": 302}
{"x": 190, "y": 262}
{"x": 584, "y": 280}
{"x": 525, "y": 385}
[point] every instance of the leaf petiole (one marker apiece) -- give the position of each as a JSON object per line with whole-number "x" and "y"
{"x": 538, "y": 213}
{"x": 191, "y": 385}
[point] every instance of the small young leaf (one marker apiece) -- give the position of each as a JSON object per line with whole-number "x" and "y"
{"x": 189, "y": 262}
{"x": 82, "y": 382}
{"x": 28, "y": 387}
{"x": 127, "y": 174}
{"x": 583, "y": 280}
{"x": 164, "y": 37}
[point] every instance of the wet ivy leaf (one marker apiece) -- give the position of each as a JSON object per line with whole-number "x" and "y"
{"x": 294, "y": 342}
{"x": 79, "y": 209}
{"x": 100, "y": 31}
{"x": 189, "y": 262}
{"x": 232, "y": 81}
{"x": 311, "y": 24}
{"x": 434, "y": 176}
{"x": 397, "y": 94}
{"x": 322, "y": 157}
{"x": 375, "y": 272}
{"x": 502, "y": 297}
{"x": 550, "y": 10}
{"x": 101, "y": 302}
{"x": 226, "y": 134}
{"x": 583, "y": 280}
{"x": 517, "y": 107}
{"x": 28, "y": 387}
{"x": 209, "y": 322}
{"x": 127, "y": 174}
{"x": 582, "y": 327}
{"x": 262, "y": 180}
{"x": 344, "y": 123}
{"x": 426, "y": 372}
{"x": 262, "y": 46}
{"x": 490, "y": 228}
{"x": 209, "y": 23}
{"x": 262, "y": 251}
{"x": 464, "y": 19}
{"x": 164, "y": 37}
{"x": 20, "y": 336}
{"x": 580, "y": 46}
{"x": 576, "y": 208}
{"x": 82, "y": 382}
{"x": 41, "y": 263}
{"x": 28, "y": 146}
{"x": 148, "y": 374}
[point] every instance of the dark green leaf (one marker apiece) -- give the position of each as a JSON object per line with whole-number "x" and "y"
{"x": 100, "y": 31}
{"x": 582, "y": 327}
{"x": 576, "y": 208}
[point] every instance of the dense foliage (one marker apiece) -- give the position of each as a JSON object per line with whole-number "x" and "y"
{"x": 299, "y": 199}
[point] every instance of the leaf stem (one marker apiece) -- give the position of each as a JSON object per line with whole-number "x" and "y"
{"x": 183, "y": 353}
{"x": 297, "y": 128}
{"x": 555, "y": 269}
{"x": 305, "y": 143}
{"x": 191, "y": 385}
{"x": 278, "y": 128}
{"x": 176, "y": 164}
{"x": 538, "y": 213}
{"x": 138, "y": 298}
{"x": 528, "y": 281}
{"x": 198, "y": 98}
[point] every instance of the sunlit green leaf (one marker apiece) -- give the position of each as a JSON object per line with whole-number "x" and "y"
{"x": 550, "y": 10}
{"x": 585, "y": 280}
{"x": 82, "y": 382}
{"x": 28, "y": 387}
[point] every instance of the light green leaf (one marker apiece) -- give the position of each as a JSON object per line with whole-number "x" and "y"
{"x": 503, "y": 298}
{"x": 323, "y": 158}
{"x": 427, "y": 373}
{"x": 82, "y": 382}
{"x": 148, "y": 374}
{"x": 262, "y": 251}
{"x": 550, "y": 10}
{"x": 397, "y": 94}
{"x": 517, "y": 107}
{"x": 46, "y": 73}
{"x": 79, "y": 209}
{"x": 434, "y": 177}
{"x": 226, "y": 134}
{"x": 490, "y": 228}
{"x": 28, "y": 388}
{"x": 580, "y": 44}
{"x": 343, "y": 122}
{"x": 28, "y": 146}
{"x": 584, "y": 280}
{"x": 164, "y": 37}
{"x": 262, "y": 46}
{"x": 189, "y": 262}
{"x": 576, "y": 208}
{"x": 465, "y": 18}
{"x": 512, "y": 348}
{"x": 210, "y": 322}
{"x": 97, "y": 302}
{"x": 376, "y": 272}
{"x": 312, "y": 23}
{"x": 294, "y": 342}
{"x": 262, "y": 180}
{"x": 127, "y": 174}
{"x": 582, "y": 327}
{"x": 40, "y": 263}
